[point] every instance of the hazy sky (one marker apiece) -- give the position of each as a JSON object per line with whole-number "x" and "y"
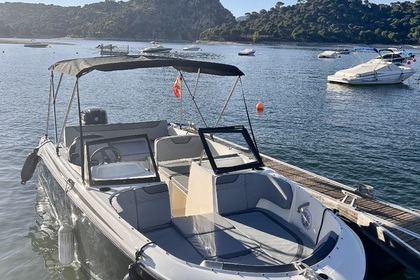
{"x": 237, "y": 7}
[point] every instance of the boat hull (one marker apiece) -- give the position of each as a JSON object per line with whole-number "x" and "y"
{"x": 246, "y": 53}
{"x": 370, "y": 79}
{"x": 157, "y": 50}
{"x": 381, "y": 77}
{"x": 36, "y": 45}
{"x": 94, "y": 230}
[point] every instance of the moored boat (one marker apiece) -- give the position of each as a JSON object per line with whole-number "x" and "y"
{"x": 177, "y": 201}
{"x": 247, "y": 52}
{"x": 395, "y": 55}
{"x": 192, "y": 48}
{"x": 386, "y": 68}
{"x": 34, "y": 44}
{"x": 328, "y": 54}
{"x": 156, "y": 48}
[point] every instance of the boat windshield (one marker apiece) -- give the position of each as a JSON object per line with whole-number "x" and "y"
{"x": 118, "y": 160}
{"x": 235, "y": 152}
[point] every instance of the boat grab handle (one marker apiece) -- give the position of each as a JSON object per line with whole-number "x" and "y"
{"x": 301, "y": 207}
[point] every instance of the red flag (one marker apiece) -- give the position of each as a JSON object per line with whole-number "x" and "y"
{"x": 177, "y": 86}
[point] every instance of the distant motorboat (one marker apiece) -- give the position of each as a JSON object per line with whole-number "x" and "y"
{"x": 192, "y": 48}
{"x": 343, "y": 50}
{"x": 156, "y": 48}
{"x": 34, "y": 44}
{"x": 328, "y": 54}
{"x": 378, "y": 71}
{"x": 112, "y": 50}
{"x": 247, "y": 52}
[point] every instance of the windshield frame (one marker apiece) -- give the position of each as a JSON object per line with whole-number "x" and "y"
{"x": 89, "y": 165}
{"x": 207, "y": 132}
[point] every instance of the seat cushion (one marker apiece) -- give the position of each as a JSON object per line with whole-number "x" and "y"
{"x": 174, "y": 243}
{"x": 276, "y": 238}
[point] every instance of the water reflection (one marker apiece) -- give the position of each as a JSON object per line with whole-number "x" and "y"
{"x": 44, "y": 240}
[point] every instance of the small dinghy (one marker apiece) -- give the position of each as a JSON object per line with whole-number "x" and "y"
{"x": 175, "y": 201}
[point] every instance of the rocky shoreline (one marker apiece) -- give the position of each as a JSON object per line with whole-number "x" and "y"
{"x": 23, "y": 41}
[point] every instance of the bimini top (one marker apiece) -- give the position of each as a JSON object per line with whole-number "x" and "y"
{"x": 82, "y": 66}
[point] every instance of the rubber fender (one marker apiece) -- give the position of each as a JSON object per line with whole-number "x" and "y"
{"x": 29, "y": 166}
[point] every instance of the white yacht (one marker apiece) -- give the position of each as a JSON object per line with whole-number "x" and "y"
{"x": 162, "y": 200}
{"x": 156, "y": 48}
{"x": 386, "y": 68}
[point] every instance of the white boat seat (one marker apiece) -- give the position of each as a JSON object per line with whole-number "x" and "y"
{"x": 147, "y": 209}
{"x": 239, "y": 192}
{"x": 200, "y": 224}
{"x": 144, "y": 207}
{"x": 177, "y": 147}
{"x": 173, "y": 155}
{"x": 250, "y": 263}
{"x": 213, "y": 236}
{"x": 170, "y": 169}
{"x": 170, "y": 240}
{"x": 277, "y": 238}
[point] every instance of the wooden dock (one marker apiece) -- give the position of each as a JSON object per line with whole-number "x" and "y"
{"x": 393, "y": 228}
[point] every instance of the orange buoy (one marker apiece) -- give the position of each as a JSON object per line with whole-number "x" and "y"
{"x": 259, "y": 107}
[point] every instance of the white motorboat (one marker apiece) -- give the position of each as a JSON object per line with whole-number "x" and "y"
{"x": 247, "y": 52}
{"x": 175, "y": 202}
{"x": 342, "y": 50}
{"x": 328, "y": 54}
{"x": 192, "y": 48}
{"x": 395, "y": 55}
{"x": 378, "y": 71}
{"x": 156, "y": 48}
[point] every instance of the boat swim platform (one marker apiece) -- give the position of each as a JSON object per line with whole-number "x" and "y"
{"x": 393, "y": 228}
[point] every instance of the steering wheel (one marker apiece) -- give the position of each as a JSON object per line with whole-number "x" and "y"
{"x": 105, "y": 155}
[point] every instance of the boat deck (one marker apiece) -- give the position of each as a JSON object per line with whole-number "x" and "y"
{"x": 394, "y": 228}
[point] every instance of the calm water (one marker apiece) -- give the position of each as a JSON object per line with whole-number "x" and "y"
{"x": 349, "y": 134}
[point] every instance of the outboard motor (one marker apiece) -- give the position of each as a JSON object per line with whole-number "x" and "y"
{"x": 94, "y": 116}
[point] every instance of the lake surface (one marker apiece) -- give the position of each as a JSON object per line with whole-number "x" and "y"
{"x": 349, "y": 134}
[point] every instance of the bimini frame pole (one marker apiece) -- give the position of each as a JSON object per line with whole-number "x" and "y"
{"x": 82, "y": 142}
{"x": 66, "y": 116}
{"x": 51, "y": 94}
{"x": 196, "y": 83}
{"x": 227, "y": 101}
{"x": 192, "y": 95}
{"x": 52, "y": 100}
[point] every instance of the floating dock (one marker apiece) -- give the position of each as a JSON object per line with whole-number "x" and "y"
{"x": 393, "y": 228}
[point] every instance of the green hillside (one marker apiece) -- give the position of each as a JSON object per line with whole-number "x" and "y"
{"x": 333, "y": 21}
{"x": 135, "y": 19}
{"x": 308, "y": 21}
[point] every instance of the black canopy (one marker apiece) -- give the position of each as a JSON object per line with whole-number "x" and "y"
{"x": 82, "y": 66}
